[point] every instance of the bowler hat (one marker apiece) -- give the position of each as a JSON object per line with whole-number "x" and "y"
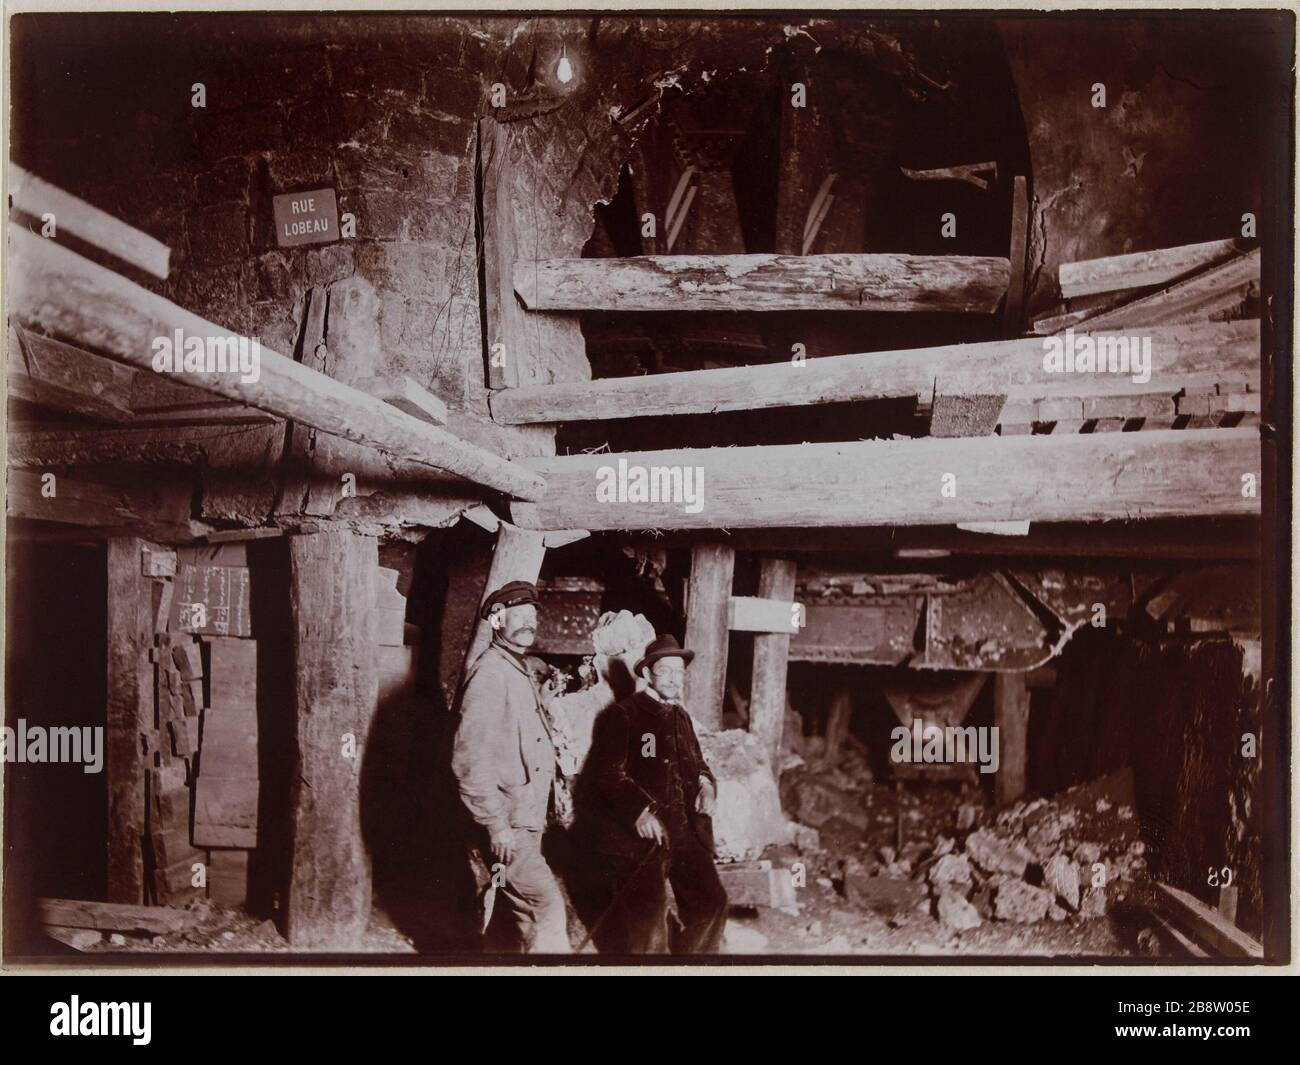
{"x": 516, "y": 593}
{"x": 663, "y": 647}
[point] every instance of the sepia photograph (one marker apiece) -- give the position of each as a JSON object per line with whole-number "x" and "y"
{"x": 611, "y": 489}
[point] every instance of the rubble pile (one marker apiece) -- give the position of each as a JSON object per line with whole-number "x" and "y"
{"x": 1068, "y": 858}
{"x": 962, "y": 862}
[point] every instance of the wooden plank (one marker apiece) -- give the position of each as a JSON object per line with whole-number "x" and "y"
{"x": 232, "y": 672}
{"x": 155, "y": 400}
{"x": 405, "y": 394}
{"x": 1208, "y": 925}
{"x": 225, "y": 810}
{"x": 37, "y": 197}
{"x": 747, "y": 613}
{"x": 1197, "y": 298}
{"x": 776, "y": 580}
{"x": 1011, "y": 718}
{"x": 228, "y": 747}
{"x": 130, "y": 717}
{"x": 51, "y": 374}
{"x": 228, "y": 877}
{"x": 1143, "y": 268}
{"x": 1013, "y": 368}
{"x": 116, "y": 917}
{"x": 1166, "y": 473}
{"x": 838, "y": 282}
{"x": 517, "y": 557}
{"x": 331, "y": 583}
{"x": 159, "y": 506}
{"x": 708, "y": 594}
{"x": 70, "y": 297}
{"x": 503, "y": 319}
{"x": 1013, "y": 310}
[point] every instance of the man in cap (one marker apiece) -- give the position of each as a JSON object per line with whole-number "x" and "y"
{"x": 646, "y": 804}
{"x": 503, "y": 758}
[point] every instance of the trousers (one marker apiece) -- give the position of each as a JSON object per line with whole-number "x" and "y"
{"x": 533, "y": 896}
{"x": 637, "y": 920}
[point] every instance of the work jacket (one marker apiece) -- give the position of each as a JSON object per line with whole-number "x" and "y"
{"x": 644, "y": 754}
{"x": 503, "y": 755}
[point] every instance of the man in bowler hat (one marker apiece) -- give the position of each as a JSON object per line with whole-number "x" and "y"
{"x": 646, "y": 804}
{"x": 503, "y": 758}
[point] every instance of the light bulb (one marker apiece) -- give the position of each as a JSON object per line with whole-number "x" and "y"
{"x": 564, "y": 70}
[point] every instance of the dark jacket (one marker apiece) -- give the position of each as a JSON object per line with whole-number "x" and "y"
{"x": 621, "y": 778}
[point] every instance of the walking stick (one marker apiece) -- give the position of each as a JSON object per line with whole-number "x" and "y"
{"x": 618, "y": 895}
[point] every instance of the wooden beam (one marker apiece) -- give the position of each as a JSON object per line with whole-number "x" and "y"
{"x": 517, "y": 557}
{"x": 68, "y": 296}
{"x": 130, "y": 716}
{"x": 1169, "y": 473}
{"x": 405, "y": 393}
{"x": 713, "y": 567}
{"x": 1011, "y": 718}
{"x": 1013, "y": 310}
{"x": 116, "y": 917}
{"x": 1011, "y": 368}
{"x": 1219, "y": 289}
{"x": 36, "y": 197}
{"x": 762, "y": 614}
{"x": 504, "y": 331}
{"x": 1207, "y": 925}
{"x": 1140, "y": 269}
{"x": 331, "y": 596}
{"x": 776, "y": 580}
{"x": 159, "y": 504}
{"x": 840, "y": 282}
{"x": 50, "y": 374}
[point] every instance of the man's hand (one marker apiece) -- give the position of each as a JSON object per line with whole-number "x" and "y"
{"x": 705, "y": 799}
{"x": 650, "y": 827}
{"x": 503, "y": 845}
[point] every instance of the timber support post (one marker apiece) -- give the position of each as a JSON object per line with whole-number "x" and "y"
{"x": 1011, "y": 716}
{"x": 708, "y": 596}
{"x": 776, "y": 580}
{"x": 130, "y": 715}
{"x": 332, "y": 595}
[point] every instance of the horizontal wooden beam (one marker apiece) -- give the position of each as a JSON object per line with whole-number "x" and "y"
{"x": 1002, "y": 367}
{"x": 747, "y": 613}
{"x": 36, "y": 197}
{"x": 1142, "y": 268}
{"x": 157, "y": 506}
{"x": 59, "y": 376}
{"x": 840, "y": 282}
{"x": 68, "y": 296}
{"x": 904, "y": 482}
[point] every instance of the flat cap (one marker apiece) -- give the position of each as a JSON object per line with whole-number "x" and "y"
{"x": 516, "y": 593}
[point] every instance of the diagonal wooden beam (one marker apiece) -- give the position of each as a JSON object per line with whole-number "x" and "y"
{"x": 1169, "y": 473}
{"x": 66, "y": 295}
{"x": 1141, "y": 268}
{"x": 1002, "y": 367}
{"x": 839, "y": 282}
{"x": 36, "y": 197}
